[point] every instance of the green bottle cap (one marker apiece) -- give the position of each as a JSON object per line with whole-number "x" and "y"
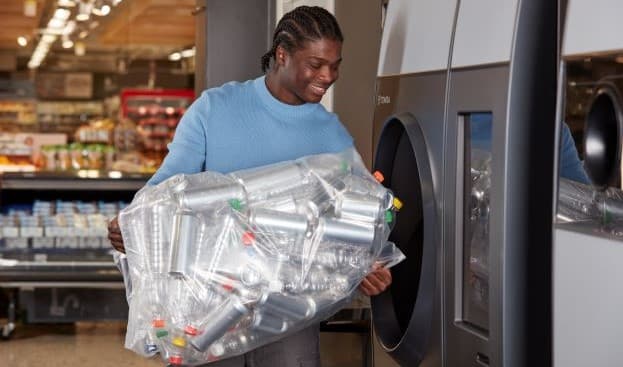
{"x": 236, "y": 204}
{"x": 161, "y": 333}
{"x": 389, "y": 216}
{"x": 344, "y": 167}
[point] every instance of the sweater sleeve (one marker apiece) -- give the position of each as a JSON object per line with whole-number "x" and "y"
{"x": 187, "y": 150}
{"x": 570, "y": 165}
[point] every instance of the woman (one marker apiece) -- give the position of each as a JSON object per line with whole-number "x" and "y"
{"x": 270, "y": 119}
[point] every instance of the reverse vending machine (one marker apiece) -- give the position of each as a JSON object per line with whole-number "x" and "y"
{"x": 588, "y": 243}
{"x": 465, "y": 129}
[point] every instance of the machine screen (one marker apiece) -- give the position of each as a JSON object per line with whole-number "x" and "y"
{"x": 476, "y": 194}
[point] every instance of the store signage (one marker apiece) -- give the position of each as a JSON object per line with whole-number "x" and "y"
{"x": 67, "y": 85}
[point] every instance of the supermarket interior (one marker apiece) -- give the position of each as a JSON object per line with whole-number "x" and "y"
{"x": 91, "y": 93}
{"x": 489, "y": 137}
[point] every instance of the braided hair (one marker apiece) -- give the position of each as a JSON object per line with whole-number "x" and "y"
{"x": 304, "y": 23}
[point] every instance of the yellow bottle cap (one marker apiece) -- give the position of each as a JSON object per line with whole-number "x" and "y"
{"x": 397, "y": 204}
{"x": 179, "y": 342}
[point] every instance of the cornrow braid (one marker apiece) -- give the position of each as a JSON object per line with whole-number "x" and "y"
{"x": 302, "y": 24}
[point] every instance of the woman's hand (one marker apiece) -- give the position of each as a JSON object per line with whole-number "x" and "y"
{"x": 376, "y": 282}
{"x": 114, "y": 235}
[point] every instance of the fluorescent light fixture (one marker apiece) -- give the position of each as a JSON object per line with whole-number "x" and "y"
{"x": 85, "y": 12}
{"x": 69, "y": 28}
{"x": 116, "y": 2}
{"x": 67, "y": 43}
{"x": 188, "y": 52}
{"x": 22, "y": 41}
{"x": 79, "y": 48}
{"x": 103, "y": 11}
{"x": 30, "y": 8}
{"x": 62, "y": 14}
{"x": 175, "y": 56}
{"x": 56, "y": 23}
{"x": 66, "y": 3}
{"x": 48, "y": 38}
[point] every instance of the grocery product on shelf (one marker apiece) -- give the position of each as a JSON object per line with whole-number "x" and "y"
{"x": 156, "y": 114}
{"x": 56, "y": 226}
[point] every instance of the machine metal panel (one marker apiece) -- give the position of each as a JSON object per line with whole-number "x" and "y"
{"x": 416, "y": 36}
{"x": 484, "y": 39}
{"x": 593, "y": 26}
{"x": 521, "y": 97}
{"x": 417, "y": 101}
{"x": 473, "y": 90}
{"x": 588, "y": 286}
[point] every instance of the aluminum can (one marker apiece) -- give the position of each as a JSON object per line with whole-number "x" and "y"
{"x": 202, "y": 198}
{"x": 349, "y": 232}
{"x": 365, "y": 208}
{"x": 294, "y": 308}
{"x": 184, "y": 244}
{"x": 219, "y": 323}
{"x": 270, "y": 221}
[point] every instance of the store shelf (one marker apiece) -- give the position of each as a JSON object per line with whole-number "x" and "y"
{"x": 23, "y": 271}
{"x": 83, "y": 180}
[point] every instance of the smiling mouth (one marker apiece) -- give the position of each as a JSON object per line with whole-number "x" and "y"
{"x": 318, "y": 90}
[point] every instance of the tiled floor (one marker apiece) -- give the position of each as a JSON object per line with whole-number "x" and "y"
{"x": 101, "y": 344}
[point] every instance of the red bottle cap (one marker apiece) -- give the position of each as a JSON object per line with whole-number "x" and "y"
{"x": 190, "y": 330}
{"x": 176, "y": 360}
{"x": 379, "y": 176}
{"x": 158, "y": 323}
{"x": 248, "y": 238}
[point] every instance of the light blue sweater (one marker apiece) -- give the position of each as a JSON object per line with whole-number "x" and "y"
{"x": 241, "y": 125}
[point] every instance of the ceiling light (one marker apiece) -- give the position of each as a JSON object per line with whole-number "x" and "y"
{"x": 48, "y": 38}
{"x": 67, "y": 43}
{"x": 62, "y": 14}
{"x": 84, "y": 12}
{"x": 116, "y": 2}
{"x": 103, "y": 11}
{"x": 79, "y": 48}
{"x": 30, "y": 8}
{"x": 188, "y": 52}
{"x": 22, "y": 41}
{"x": 175, "y": 56}
{"x": 83, "y": 34}
{"x": 56, "y": 23}
{"x": 66, "y": 3}
{"x": 69, "y": 28}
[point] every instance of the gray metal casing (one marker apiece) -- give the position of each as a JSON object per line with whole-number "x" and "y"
{"x": 521, "y": 95}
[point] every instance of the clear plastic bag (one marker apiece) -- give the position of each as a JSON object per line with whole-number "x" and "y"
{"x": 578, "y": 202}
{"x": 221, "y": 264}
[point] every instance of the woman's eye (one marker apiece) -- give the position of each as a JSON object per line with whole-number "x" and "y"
{"x": 315, "y": 66}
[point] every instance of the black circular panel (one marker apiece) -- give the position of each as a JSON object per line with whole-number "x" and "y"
{"x": 403, "y": 314}
{"x": 602, "y": 138}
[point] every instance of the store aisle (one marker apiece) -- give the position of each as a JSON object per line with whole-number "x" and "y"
{"x": 101, "y": 344}
{"x": 85, "y": 344}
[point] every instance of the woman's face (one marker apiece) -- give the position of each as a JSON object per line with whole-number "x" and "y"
{"x": 305, "y": 75}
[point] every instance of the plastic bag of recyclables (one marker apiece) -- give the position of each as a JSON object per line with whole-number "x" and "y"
{"x": 218, "y": 265}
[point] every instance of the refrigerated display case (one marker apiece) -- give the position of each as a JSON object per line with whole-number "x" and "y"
{"x": 156, "y": 114}
{"x": 55, "y": 259}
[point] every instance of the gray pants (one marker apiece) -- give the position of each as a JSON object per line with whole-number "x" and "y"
{"x": 301, "y": 349}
